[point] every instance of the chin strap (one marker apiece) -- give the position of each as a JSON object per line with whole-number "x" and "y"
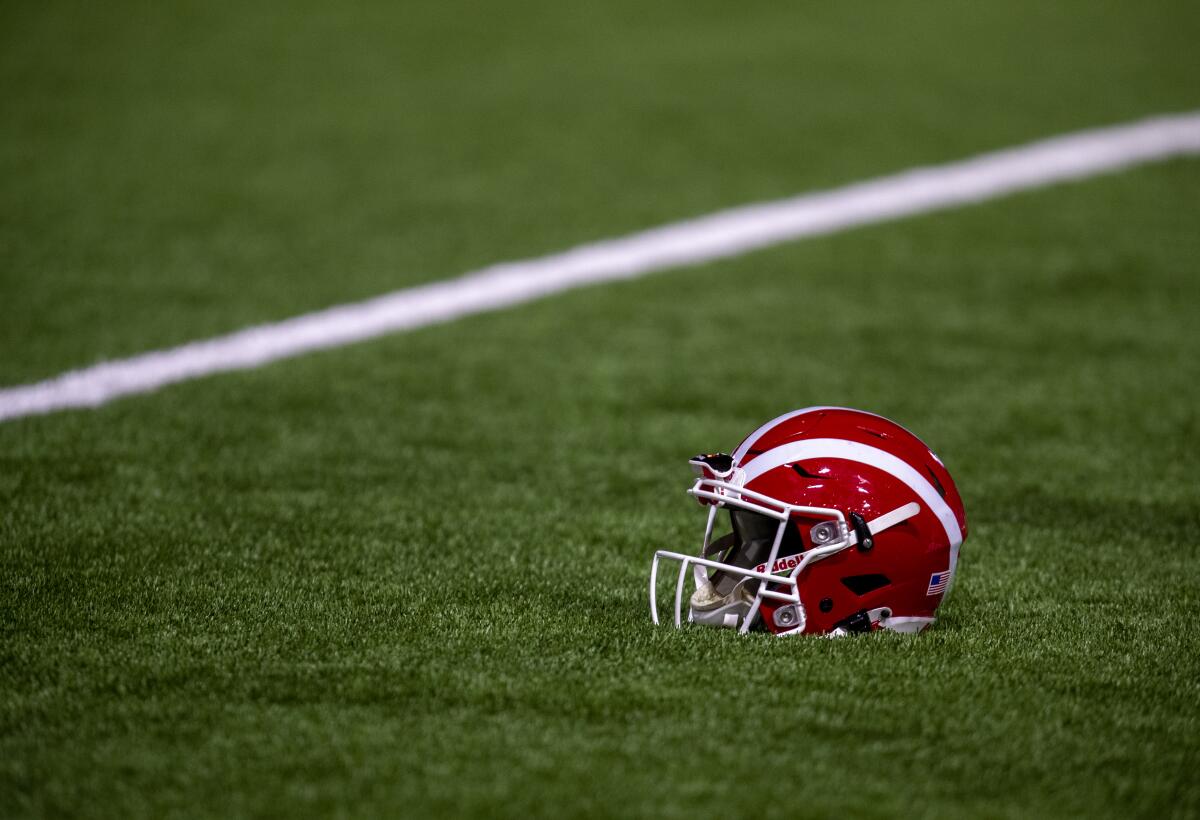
{"x": 711, "y": 608}
{"x": 706, "y": 593}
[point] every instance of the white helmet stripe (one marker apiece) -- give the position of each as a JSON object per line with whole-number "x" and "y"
{"x": 872, "y": 456}
{"x": 745, "y": 446}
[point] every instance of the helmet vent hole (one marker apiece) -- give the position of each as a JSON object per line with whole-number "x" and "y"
{"x": 803, "y": 473}
{"x": 862, "y": 584}
{"x": 875, "y": 433}
{"x": 937, "y": 485}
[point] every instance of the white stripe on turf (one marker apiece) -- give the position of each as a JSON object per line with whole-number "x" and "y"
{"x": 721, "y": 234}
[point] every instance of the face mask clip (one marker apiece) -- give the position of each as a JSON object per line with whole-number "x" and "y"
{"x": 862, "y": 532}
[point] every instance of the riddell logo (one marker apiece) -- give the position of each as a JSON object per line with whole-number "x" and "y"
{"x": 781, "y": 565}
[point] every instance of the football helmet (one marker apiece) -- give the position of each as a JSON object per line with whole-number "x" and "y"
{"x": 837, "y": 520}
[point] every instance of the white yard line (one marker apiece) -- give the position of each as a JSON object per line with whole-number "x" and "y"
{"x": 718, "y": 235}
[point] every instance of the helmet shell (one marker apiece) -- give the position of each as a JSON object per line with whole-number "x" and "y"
{"x": 858, "y": 462}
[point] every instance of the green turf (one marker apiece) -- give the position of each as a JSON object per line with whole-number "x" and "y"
{"x": 408, "y": 578}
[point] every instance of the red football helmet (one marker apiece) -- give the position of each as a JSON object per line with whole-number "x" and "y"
{"x": 840, "y": 521}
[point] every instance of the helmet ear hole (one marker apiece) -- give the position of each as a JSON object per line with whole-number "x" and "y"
{"x": 862, "y": 584}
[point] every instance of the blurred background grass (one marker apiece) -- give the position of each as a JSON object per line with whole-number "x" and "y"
{"x": 407, "y": 578}
{"x": 174, "y": 170}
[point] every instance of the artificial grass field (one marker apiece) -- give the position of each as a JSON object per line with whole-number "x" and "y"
{"x": 407, "y": 578}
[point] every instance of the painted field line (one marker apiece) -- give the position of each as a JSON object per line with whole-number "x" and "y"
{"x": 722, "y": 234}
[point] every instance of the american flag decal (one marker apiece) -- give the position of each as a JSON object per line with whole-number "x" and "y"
{"x": 937, "y": 582}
